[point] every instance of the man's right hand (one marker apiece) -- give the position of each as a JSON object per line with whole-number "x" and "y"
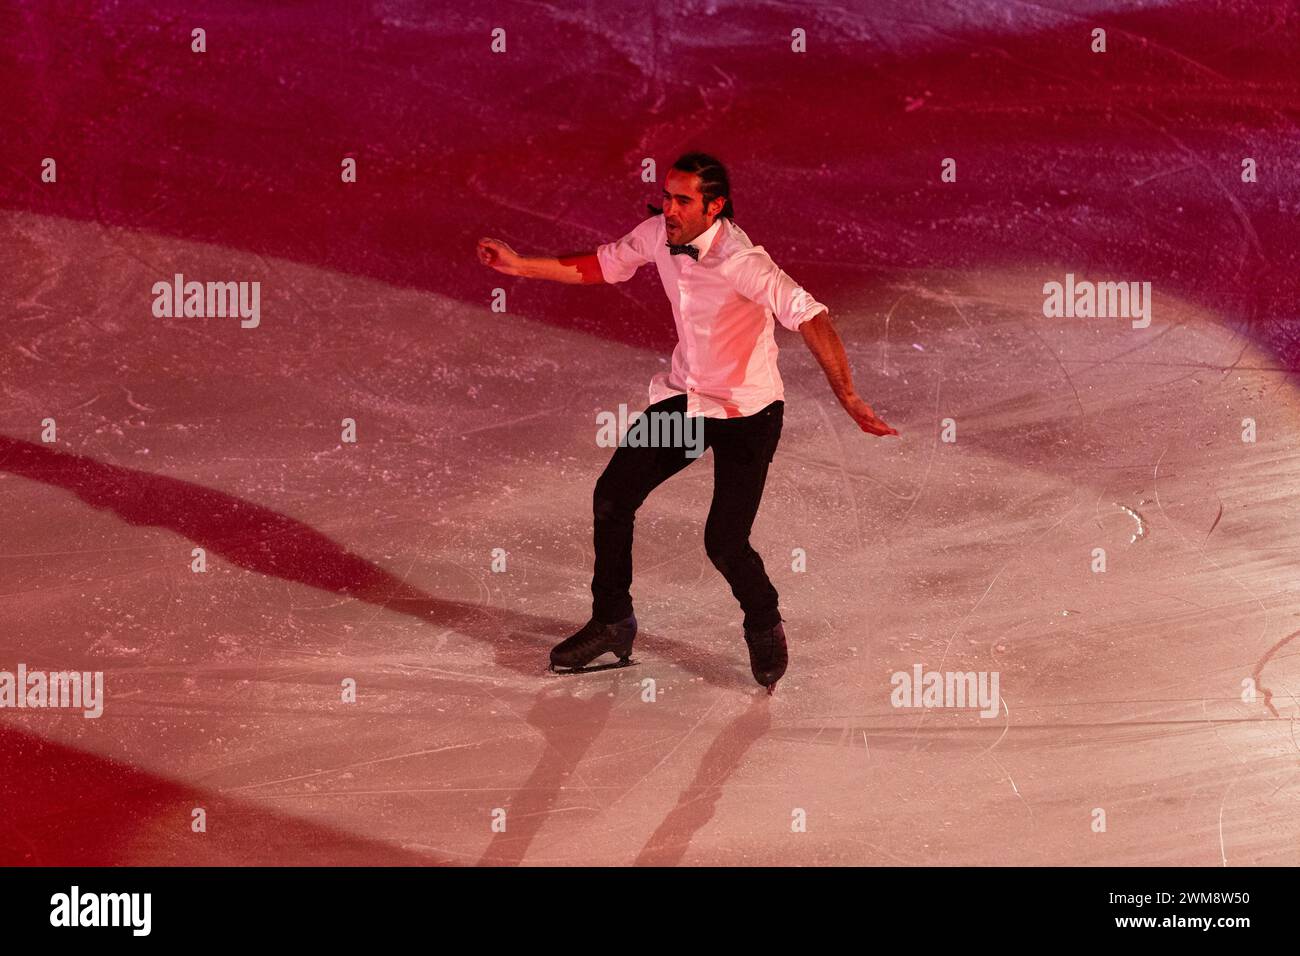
{"x": 498, "y": 255}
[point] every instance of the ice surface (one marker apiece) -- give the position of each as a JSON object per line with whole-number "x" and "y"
{"x": 372, "y": 561}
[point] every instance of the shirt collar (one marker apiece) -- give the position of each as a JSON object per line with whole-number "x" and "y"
{"x": 704, "y": 240}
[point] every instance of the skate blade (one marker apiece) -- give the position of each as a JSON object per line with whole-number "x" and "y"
{"x": 592, "y": 668}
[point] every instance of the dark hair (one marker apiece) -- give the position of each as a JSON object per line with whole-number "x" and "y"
{"x": 714, "y": 182}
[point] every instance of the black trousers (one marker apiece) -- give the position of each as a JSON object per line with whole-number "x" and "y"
{"x": 742, "y": 449}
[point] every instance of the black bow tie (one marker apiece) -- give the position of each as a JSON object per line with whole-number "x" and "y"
{"x": 686, "y": 248}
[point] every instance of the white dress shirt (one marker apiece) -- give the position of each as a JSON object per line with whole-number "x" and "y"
{"x": 724, "y": 306}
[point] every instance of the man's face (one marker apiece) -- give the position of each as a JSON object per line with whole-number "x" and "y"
{"x": 684, "y": 213}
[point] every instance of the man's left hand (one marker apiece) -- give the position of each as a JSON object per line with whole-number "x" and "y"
{"x": 867, "y": 419}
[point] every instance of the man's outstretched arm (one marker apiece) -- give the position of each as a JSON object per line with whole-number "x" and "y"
{"x": 824, "y": 343}
{"x": 577, "y": 269}
{"x": 755, "y": 276}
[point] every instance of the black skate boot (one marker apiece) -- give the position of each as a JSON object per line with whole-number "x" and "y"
{"x": 767, "y": 655}
{"x": 573, "y": 654}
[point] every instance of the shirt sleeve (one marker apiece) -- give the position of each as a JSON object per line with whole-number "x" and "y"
{"x": 755, "y": 276}
{"x": 620, "y": 260}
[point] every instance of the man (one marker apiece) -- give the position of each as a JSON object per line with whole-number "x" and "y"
{"x": 725, "y": 293}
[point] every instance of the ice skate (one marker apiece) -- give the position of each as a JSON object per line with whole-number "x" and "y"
{"x": 574, "y": 654}
{"x": 768, "y": 655}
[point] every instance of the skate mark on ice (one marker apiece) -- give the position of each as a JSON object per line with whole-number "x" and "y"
{"x": 440, "y": 639}
{"x": 1215, "y": 523}
{"x": 1020, "y": 555}
{"x": 1249, "y": 234}
{"x": 1007, "y": 711}
{"x": 1174, "y": 171}
{"x": 507, "y": 424}
{"x": 934, "y": 450}
{"x": 1142, "y": 346}
{"x": 697, "y": 802}
{"x": 1141, "y": 530}
{"x": 989, "y": 753}
{"x": 884, "y": 338}
{"x": 570, "y": 727}
{"x": 837, "y": 466}
{"x": 677, "y": 746}
{"x": 130, "y": 400}
{"x": 1223, "y": 850}
{"x": 1258, "y": 672}
{"x": 351, "y": 766}
{"x": 1015, "y": 790}
{"x": 1155, "y": 482}
{"x": 1294, "y": 743}
{"x": 961, "y": 315}
{"x": 844, "y": 475}
{"x": 1061, "y": 365}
